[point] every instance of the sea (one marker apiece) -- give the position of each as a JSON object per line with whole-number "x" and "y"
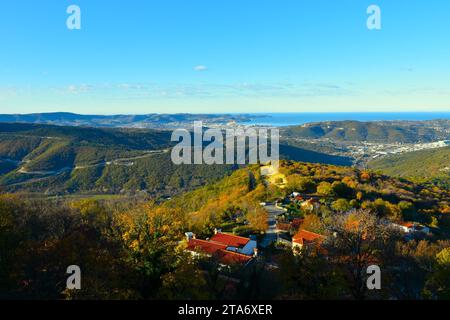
{"x": 289, "y": 119}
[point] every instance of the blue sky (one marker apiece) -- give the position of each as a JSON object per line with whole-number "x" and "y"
{"x": 197, "y": 56}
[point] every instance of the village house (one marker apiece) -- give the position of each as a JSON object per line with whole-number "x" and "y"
{"x": 229, "y": 249}
{"x": 307, "y": 203}
{"x": 289, "y": 226}
{"x": 304, "y": 238}
{"x": 310, "y": 204}
{"x": 411, "y": 227}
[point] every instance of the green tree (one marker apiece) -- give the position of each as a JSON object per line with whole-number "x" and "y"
{"x": 341, "y": 205}
{"x": 342, "y": 190}
{"x": 438, "y": 284}
{"x": 296, "y": 182}
{"x": 325, "y": 189}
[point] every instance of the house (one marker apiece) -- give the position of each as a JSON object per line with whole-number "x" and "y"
{"x": 227, "y": 248}
{"x": 290, "y": 226}
{"x": 411, "y": 227}
{"x": 304, "y": 237}
{"x": 310, "y": 204}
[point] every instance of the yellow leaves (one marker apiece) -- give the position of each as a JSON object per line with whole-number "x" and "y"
{"x": 134, "y": 245}
{"x": 359, "y": 195}
{"x": 365, "y": 176}
{"x": 257, "y": 218}
{"x": 445, "y": 209}
{"x": 312, "y": 223}
{"x": 350, "y": 181}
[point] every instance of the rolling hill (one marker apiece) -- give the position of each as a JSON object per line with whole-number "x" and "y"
{"x": 377, "y": 131}
{"x": 67, "y": 160}
{"x": 418, "y": 164}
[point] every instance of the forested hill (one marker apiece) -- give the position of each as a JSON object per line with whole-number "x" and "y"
{"x": 127, "y": 138}
{"x": 419, "y": 164}
{"x": 66, "y": 160}
{"x": 377, "y": 131}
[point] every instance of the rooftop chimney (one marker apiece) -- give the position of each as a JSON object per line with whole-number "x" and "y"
{"x": 216, "y": 231}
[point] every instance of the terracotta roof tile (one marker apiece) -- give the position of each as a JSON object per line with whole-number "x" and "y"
{"x": 304, "y": 236}
{"x": 230, "y": 240}
{"x": 205, "y": 246}
{"x": 218, "y": 245}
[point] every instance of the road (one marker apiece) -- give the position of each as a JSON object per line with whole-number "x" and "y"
{"x": 48, "y": 174}
{"x": 271, "y": 233}
{"x": 119, "y": 162}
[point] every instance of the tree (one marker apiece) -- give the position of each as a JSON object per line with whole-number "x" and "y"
{"x": 342, "y": 190}
{"x": 356, "y": 240}
{"x": 438, "y": 283}
{"x": 257, "y": 218}
{"x": 310, "y": 276}
{"x": 341, "y": 205}
{"x": 407, "y": 210}
{"x": 296, "y": 182}
{"x": 324, "y": 188}
{"x": 186, "y": 282}
{"x": 313, "y": 223}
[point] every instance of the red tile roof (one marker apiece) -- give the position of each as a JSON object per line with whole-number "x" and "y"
{"x": 407, "y": 224}
{"x": 218, "y": 245}
{"x": 229, "y": 257}
{"x": 230, "y": 240}
{"x": 205, "y": 246}
{"x": 304, "y": 236}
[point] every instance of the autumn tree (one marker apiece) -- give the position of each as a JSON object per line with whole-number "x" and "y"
{"x": 296, "y": 182}
{"x": 341, "y": 205}
{"x": 355, "y": 241}
{"x": 258, "y": 219}
{"x": 324, "y": 188}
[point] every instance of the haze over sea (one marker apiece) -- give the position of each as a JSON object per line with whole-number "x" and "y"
{"x": 289, "y": 119}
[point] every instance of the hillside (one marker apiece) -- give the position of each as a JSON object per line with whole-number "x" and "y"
{"x": 66, "y": 160}
{"x": 377, "y": 131}
{"x": 338, "y": 187}
{"x": 63, "y": 160}
{"x": 419, "y": 164}
{"x": 145, "y": 240}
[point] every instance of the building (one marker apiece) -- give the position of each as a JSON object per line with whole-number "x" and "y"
{"x": 304, "y": 237}
{"x": 411, "y": 227}
{"x": 227, "y": 248}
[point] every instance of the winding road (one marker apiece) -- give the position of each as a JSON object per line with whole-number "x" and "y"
{"x": 47, "y": 174}
{"x": 271, "y": 233}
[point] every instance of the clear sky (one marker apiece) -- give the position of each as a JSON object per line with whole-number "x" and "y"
{"x": 215, "y": 56}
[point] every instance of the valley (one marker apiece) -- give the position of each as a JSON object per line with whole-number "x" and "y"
{"x": 61, "y": 160}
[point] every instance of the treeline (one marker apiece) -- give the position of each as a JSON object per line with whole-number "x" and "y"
{"x": 136, "y": 253}
{"x": 132, "y": 250}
